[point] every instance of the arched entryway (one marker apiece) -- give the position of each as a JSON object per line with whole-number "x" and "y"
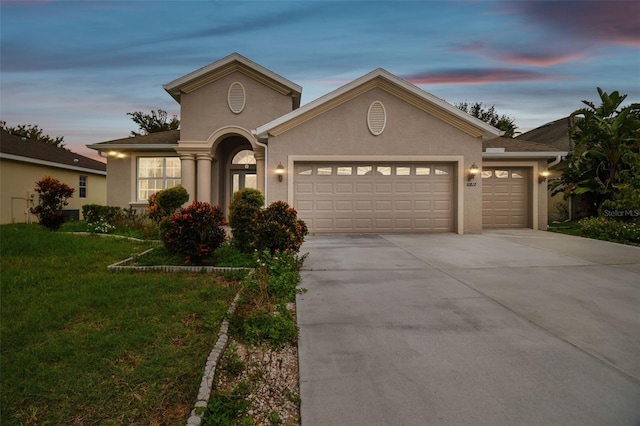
{"x": 228, "y": 161}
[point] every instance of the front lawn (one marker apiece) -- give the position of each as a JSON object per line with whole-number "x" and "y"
{"x": 80, "y": 344}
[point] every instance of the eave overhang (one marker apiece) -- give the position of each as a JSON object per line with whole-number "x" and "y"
{"x": 133, "y": 147}
{"x": 523, "y": 155}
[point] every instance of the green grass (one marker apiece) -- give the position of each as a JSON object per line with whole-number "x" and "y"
{"x": 80, "y": 344}
{"x": 227, "y": 255}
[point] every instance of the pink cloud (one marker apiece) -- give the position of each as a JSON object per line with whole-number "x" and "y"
{"x": 476, "y": 76}
{"x": 546, "y": 59}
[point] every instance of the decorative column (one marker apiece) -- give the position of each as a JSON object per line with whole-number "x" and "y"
{"x": 258, "y": 153}
{"x": 203, "y": 193}
{"x": 188, "y": 178}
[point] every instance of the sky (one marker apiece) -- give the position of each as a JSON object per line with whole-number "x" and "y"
{"x": 76, "y": 68}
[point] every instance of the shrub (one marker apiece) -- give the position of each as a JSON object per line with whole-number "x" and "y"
{"x": 625, "y": 207}
{"x": 94, "y": 213}
{"x": 53, "y": 197}
{"x": 611, "y": 230}
{"x": 279, "y": 229}
{"x": 165, "y": 203}
{"x": 195, "y": 232}
{"x": 243, "y": 210}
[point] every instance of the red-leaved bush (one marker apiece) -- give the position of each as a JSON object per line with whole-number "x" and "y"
{"x": 53, "y": 197}
{"x": 195, "y": 232}
{"x": 279, "y": 229}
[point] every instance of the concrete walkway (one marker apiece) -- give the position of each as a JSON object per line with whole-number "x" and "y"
{"x": 513, "y": 327}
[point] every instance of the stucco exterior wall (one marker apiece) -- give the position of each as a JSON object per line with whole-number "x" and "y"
{"x": 206, "y": 109}
{"x": 120, "y": 180}
{"x": 409, "y": 132}
{"x": 18, "y": 179}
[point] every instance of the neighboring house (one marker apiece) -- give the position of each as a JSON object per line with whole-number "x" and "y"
{"x": 556, "y": 134}
{"x": 376, "y": 155}
{"x": 24, "y": 161}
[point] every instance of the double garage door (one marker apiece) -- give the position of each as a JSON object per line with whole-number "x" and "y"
{"x": 375, "y": 197}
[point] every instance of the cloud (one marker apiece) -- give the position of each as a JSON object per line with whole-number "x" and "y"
{"x": 476, "y": 76}
{"x": 539, "y": 59}
{"x": 599, "y": 22}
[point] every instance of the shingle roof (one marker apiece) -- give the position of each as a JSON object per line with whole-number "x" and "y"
{"x": 169, "y": 137}
{"x": 18, "y": 146}
{"x": 555, "y": 134}
{"x": 517, "y": 145}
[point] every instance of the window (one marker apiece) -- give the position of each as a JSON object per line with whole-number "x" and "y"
{"x": 324, "y": 171}
{"x": 156, "y": 174}
{"x": 502, "y": 174}
{"x": 344, "y": 170}
{"x": 364, "y": 170}
{"x": 244, "y": 157}
{"x": 82, "y": 187}
{"x": 403, "y": 171}
{"x": 423, "y": 171}
{"x": 383, "y": 170}
{"x": 486, "y": 174}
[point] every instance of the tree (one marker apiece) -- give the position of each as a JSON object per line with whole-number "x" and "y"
{"x": 605, "y": 164}
{"x": 156, "y": 121}
{"x": 32, "y": 131}
{"x": 489, "y": 115}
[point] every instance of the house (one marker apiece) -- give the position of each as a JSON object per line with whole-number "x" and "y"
{"x": 376, "y": 155}
{"x": 25, "y": 161}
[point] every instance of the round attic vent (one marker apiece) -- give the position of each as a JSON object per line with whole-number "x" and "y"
{"x": 236, "y": 97}
{"x": 376, "y": 118}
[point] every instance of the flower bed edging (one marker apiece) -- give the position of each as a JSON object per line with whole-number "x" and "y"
{"x": 206, "y": 384}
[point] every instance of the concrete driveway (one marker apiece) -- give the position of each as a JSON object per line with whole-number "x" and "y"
{"x": 506, "y": 328}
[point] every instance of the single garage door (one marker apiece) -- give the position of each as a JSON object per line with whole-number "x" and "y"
{"x": 365, "y": 197}
{"x": 505, "y": 198}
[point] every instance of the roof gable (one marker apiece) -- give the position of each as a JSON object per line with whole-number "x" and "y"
{"x": 380, "y": 78}
{"x": 20, "y": 148}
{"x": 225, "y": 66}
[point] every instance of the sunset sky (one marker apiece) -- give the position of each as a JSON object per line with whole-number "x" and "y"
{"x": 75, "y": 68}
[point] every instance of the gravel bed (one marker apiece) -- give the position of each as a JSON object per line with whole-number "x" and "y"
{"x": 273, "y": 377}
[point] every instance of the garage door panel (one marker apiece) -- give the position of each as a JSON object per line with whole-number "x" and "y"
{"x": 364, "y": 188}
{"x": 344, "y": 224}
{"x": 364, "y": 206}
{"x": 404, "y": 187}
{"x": 324, "y": 205}
{"x": 384, "y": 206}
{"x": 423, "y": 188}
{"x": 423, "y": 205}
{"x": 384, "y": 188}
{"x": 375, "y": 197}
{"x": 324, "y": 188}
{"x": 403, "y": 206}
{"x": 304, "y": 206}
{"x": 344, "y": 205}
{"x": 344, "y": 188}
{"x": 304, "y": 188}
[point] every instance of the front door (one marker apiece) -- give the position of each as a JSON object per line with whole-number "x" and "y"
{"x": 241, "y": 179}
